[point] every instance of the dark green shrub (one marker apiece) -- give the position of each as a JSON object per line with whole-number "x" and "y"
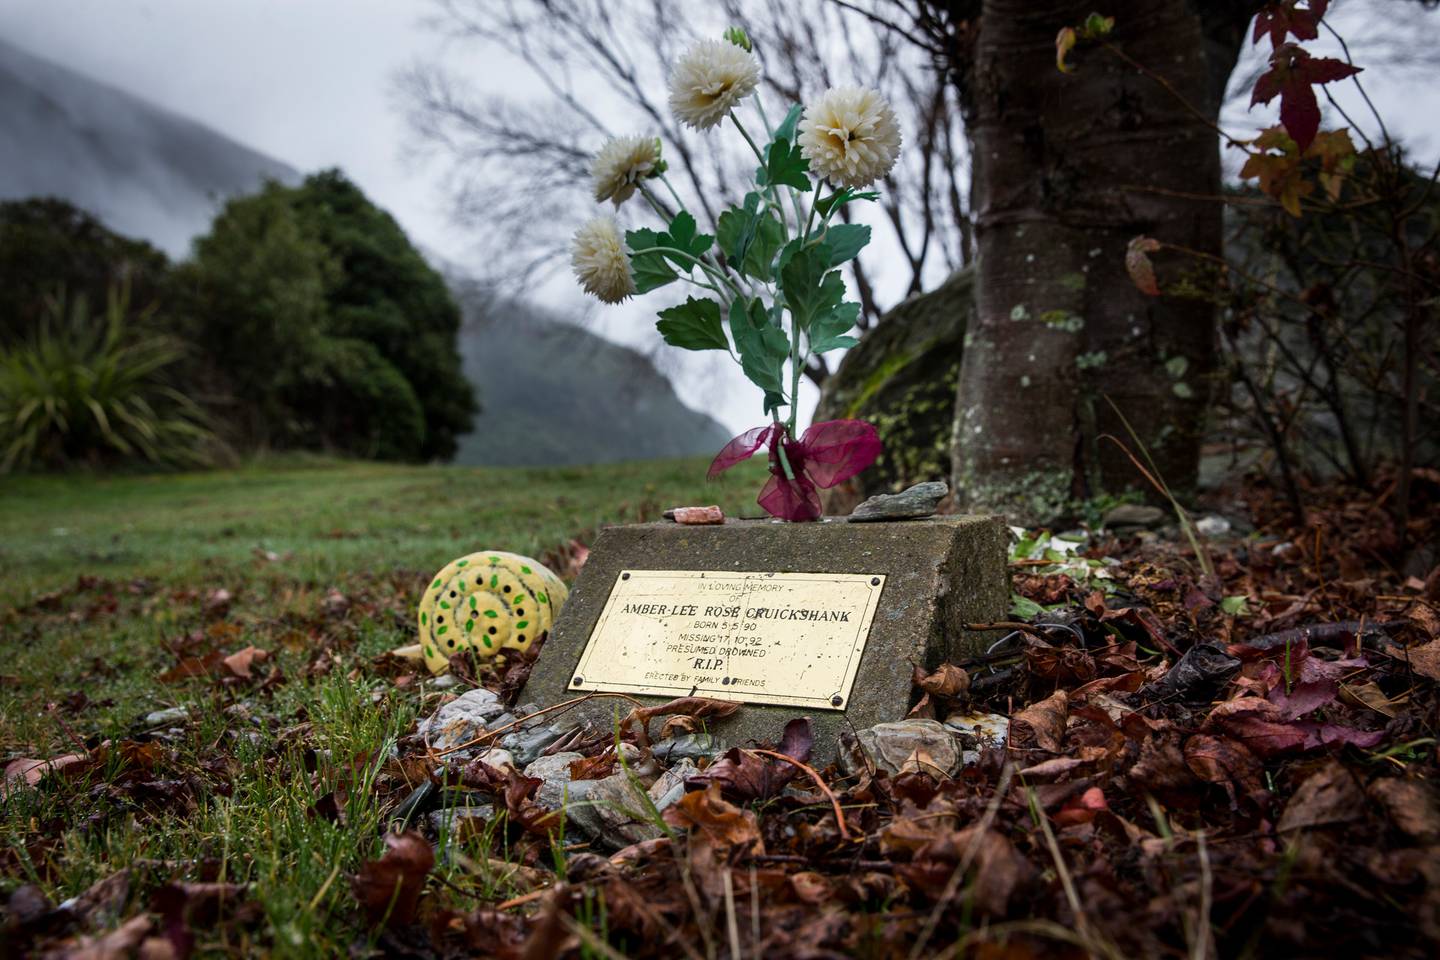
{"x": 80, "y": 389}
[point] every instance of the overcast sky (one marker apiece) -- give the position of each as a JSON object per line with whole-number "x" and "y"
{"x": 310, "y": 82}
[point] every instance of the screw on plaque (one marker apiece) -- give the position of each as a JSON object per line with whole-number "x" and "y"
{"x": 874, "y": 581}
{"x": 624, "y": 576}
{"x": 836, "y": 700}
{"x": 577, "y": 681}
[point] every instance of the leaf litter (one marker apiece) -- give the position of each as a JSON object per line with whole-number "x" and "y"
{"x": 1183, "y": 775}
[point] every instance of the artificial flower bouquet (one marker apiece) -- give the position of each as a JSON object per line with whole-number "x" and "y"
{"x": 769, "y": 272}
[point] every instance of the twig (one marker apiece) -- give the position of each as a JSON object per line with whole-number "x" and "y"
{"x": 732, "y": 926}
{"x": 491, "y": 734}
{"x": 952, "y": 886}
{"x": 810, "y": 772}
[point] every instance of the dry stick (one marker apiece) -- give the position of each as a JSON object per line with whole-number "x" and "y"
{"x": 1082, "y": 922}
{"x": 522, "y": 899}
{"x": 732, "y": 926}
{"x": 810, "y": 772}
{"x": 952, "y": 886}
{"x": 1205, "y": 942}
{"x": 490, "y": 734}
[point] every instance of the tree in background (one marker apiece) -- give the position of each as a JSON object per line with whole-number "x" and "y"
{"x": 386, "y": 295}
{"x": 48, "y": 246}
{"x": 313, "y": 311}
{"x": 579, "y": 54}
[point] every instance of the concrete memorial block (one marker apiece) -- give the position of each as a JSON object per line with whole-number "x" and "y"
{"x": 793, "y": 619}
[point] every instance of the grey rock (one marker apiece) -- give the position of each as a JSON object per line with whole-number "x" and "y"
{"x": 1212, "y": 525}
{"x": 461, "y": 720}
{"x": 527, "y": 745}
{"x": 926, "y": 746}
{"x": 903, "y": 374}
{"x": 554, "y": 772}
{"x": 688, "y": 746}
{"x": 670, "y": 787}
{"x": 526, "y": 709}
{"x": 471, "y": 814}
{"x": 497, "y": 758}
{"x": 911, "y": 504}
{"x": 173, "y": 715}
{"x": 1134, "y": 515}
{"x": 611, "y": 811}
{"x": 977, "y": 731}
{"x": 445, "y": 681}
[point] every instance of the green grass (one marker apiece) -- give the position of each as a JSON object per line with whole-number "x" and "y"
{"x": 102, "y": 577}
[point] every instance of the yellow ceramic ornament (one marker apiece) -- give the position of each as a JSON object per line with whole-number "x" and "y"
{"x": 486, "y": 602}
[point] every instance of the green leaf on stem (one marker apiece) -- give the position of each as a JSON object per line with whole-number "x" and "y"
{"x": 736, "y": 228}
{"x": 786, "y": 130}
{"x": 785, "y": 166}
{"x": 760, "y": 258}
{"x": 693, "y": 325}
{"x": 651, "y": 270}
{"x": 683, "y": 236}
{"x": 841, "y": 197}
{"x": 845, "y": 241}
{"x": 763, "y": 348}
{"x": 829, "y": 330}
{"x": 811, "y": 288}
{"x": 654, "y": 270}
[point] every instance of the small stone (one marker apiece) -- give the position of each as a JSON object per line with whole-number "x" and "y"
{"x": 924, "y": 746}
{"x": 611, "y": 811}
{"x": 162, "y": 718}
{"x": 688, "y": 746}
{"x": 444, "y": 682}
{"x": 498, "y": 757}
{"x": 460, "y": 721}
{"x": 668, "y": 790}
{"x": 1212, "y": 525}
{"x": 914, "y": 503}
{"x": 527, "y": 745}
{"x": 554, "y": 773}
{"x": 464, "y": 818}
{"x": 696, "y": 516}
{"x": 643, "y": 768}
{"x": 977, "y": 731}
{"x": 1133, "y": 515}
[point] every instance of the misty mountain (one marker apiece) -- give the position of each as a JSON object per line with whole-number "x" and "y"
{"x": 142, "y": 170}
{"x": 554, "y": 393}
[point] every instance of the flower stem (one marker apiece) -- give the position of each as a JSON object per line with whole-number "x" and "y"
{"x": 814, "y": 203}
{"x": 780, "y": 444}
{"x": 746, "y": 134}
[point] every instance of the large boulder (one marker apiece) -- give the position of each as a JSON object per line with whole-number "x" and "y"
{"x": 902, "y": 377}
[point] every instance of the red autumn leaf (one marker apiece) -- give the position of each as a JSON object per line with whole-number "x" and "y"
{"x": 1081, "y": 809}
{"x": 389, "y": 888}
{"x": 1292, "y": 75}
{"x": 1277, "y": 19}
{"x": 238, "y": 663}
{"x": 1138, "y": 265}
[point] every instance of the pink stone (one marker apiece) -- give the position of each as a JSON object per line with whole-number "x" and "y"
{"x": 699, "y": 515}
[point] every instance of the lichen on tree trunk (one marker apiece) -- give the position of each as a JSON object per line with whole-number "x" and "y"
{"x": 1067, "y": 169}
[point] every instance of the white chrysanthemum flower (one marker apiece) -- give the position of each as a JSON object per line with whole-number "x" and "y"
{"x": 598, "y": 258}
{"x": 709, "y": 79}
{"x": 621, "y": 164}
{"x": 850, "y": 136}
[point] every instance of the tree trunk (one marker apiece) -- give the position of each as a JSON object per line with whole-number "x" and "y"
{"x": 1067, "y": 169}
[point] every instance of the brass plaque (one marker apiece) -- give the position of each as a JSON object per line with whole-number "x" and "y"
{"x": 778, "y": 638}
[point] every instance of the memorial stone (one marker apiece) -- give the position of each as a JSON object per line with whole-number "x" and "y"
{"x": 823, "y": 619}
